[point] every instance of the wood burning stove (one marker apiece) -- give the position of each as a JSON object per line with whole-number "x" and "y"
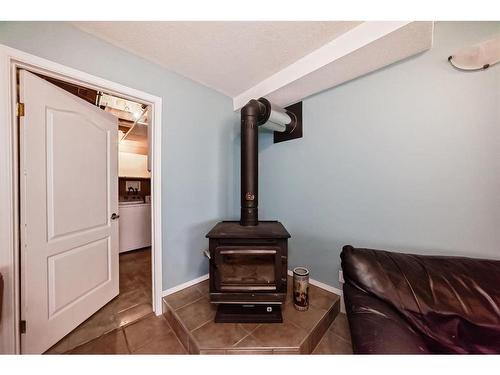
{"x": 249, "y": 258}
{"x": 248, "y": 265}
{"x": 248, "y": 271}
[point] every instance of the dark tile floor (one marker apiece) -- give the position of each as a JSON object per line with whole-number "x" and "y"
{"x": 149, "y": 335}
{"x": 153, "y": 335}
{"x": 132, "y": 304}
{"x": 337, "y": 340}
{"x": 191, "y": 317}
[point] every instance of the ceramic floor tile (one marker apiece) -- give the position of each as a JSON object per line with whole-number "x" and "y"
{"x": 249, "y": 342}
{"x": 286, "y": 351}
{"x": 252, "y": 343}
{"x": 127, "y": 300}
{"x": 218, "y": 335}
{"x": 145, "y": 330}
{"x": 213, "y": 351}
{"x": 133, "y": 302}
{"x": 179, "y": 329}
{"x": 321, "y": 298}
{"x": 248, "y": 351}
{"x": 197, "y": 313}
{"x": 305, "y": 319}
{"x": 193, "y": 347}
{"x": 323, "y": 325}
{"x": 98, "y": 325}
{"x": 203, "y": 288}
{"x": 249, "y": 327}
{"x": 183, "y": 297}
{"x": 132, "y": 314}
{"x": 299, "y": 333}
{"x": 166, "y": 344}
{"x": 340, "y": 327}
{"x": 111, "y": 343}
{"x": 286, "y": 334}
{"x": 333, "y": 344}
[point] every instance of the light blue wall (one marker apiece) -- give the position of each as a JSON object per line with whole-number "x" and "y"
{"x": 406, "y": 158}
{"x": 196, "y": 124}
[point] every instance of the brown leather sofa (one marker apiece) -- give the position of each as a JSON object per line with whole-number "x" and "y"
{"x": 404, "y": 303}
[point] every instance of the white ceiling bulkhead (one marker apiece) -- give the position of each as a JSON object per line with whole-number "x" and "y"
{"x": 284, "y": 61}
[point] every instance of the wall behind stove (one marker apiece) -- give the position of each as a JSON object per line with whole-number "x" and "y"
{"x": 196, "y": 121}
{"x": 406, "y": 158}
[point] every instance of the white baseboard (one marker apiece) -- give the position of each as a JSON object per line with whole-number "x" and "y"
{"x": 317, "y": 283}
{"x": 328, "y": 288}
{"x": 321, "y": 285}
{"x": 187, "y": 284}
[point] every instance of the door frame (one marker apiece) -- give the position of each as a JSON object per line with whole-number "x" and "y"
{"x": 10, "y": 60}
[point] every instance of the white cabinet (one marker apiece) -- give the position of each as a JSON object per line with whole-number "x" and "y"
{"x": 133, "y": 165}
{"x": 135, "y": 226}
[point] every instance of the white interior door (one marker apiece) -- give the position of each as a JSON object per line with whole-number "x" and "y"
{"x": 69, "y": 191}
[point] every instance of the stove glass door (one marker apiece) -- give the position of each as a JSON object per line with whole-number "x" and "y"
{"x": 247, "y": 269}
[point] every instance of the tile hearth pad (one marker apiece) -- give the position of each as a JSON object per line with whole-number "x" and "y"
{"x": 191, "y": 316}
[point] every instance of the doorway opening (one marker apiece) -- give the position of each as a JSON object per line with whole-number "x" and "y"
{"x": 14, "y": 327}
{"x": 134, "y": 300}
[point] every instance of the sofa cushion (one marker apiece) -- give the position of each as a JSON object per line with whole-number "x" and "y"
{"x": 453, "y": 301}
{"x": 377, "y": 328}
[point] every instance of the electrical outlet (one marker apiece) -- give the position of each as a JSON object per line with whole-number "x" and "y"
{"x": 341, "y": 276}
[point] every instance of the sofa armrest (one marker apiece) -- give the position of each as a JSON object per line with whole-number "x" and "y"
{"x": 376, "y": 328}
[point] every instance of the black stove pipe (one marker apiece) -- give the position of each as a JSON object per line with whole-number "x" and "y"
{"x": 253, "y": 114}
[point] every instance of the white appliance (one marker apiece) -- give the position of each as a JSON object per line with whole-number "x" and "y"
{"x": 135, "y": 225}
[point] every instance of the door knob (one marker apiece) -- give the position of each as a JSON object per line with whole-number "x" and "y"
{"x": 114, "y": 216}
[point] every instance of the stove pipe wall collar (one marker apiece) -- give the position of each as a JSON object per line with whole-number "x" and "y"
{"x": 286, "y": 123}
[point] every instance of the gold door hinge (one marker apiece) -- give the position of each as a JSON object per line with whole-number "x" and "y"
{"x": 20, "y": 109}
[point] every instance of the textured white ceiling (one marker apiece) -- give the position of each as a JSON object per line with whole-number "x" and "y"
{"x": 229, "y": 57}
